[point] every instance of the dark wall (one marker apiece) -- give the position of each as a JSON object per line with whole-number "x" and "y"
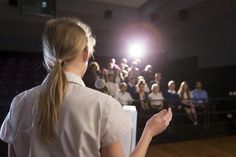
{"x": 208, "y": 32}
{"x": 213, "y": 41}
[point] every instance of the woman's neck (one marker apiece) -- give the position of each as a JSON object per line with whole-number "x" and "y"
{"x": 141, "y": 92}
{"x": 155, "y": 93}
{"x": 123, "y": 92}
{"x": 76, "y": 69}
{"x": 74, "y": 72}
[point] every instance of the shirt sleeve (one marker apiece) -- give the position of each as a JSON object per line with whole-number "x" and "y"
{"x": 7, "y": 132}
{"x": 117, "y": 96}
{"x": 116, "y": 123}
{"x": 130, "y": 97}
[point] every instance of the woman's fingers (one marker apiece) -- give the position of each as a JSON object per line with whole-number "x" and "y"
{"x": 161, "y": 113}
{"x": 159, "y": 122}
{"x": 167, "y": 117}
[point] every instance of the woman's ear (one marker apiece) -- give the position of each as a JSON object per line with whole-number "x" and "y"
{"x": 86, "y": 54}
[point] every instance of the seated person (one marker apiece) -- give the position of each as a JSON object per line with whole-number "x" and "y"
{"x": 146, "y": 88}
{"x": 188, "y": 106}
{"x": 141, "y": 97}
{"x": 93, "y": 73}
{"x": 131, "y": 86}
{"x": 112, "y": 87}
{"x": 158, "y": 80}
{"x": 155, "y": 97}
{"x": 171, "y": 97}
{"x": 123, "y": 96}
{"x": 147, "y": 73}
{"x": 199, "y": 95}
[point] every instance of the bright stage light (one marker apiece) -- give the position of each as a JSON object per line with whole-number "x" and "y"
{"x": 136, "y": 50}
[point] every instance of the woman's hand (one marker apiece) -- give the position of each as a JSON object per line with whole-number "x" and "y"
{"x": 154, "y": 126}
{"x": 158, "y": 122}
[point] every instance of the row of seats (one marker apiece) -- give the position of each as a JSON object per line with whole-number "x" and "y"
{"x": 19, "y": 74}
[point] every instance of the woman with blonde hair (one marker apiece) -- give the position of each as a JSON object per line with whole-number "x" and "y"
{"x": 185, "y": 95}
{"x": 61, "y": 117}
{"x": 92, "y": 75}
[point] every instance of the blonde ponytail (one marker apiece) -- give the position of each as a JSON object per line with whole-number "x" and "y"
{"x": 63, "y": 39}
{"x": 51, "y": 96}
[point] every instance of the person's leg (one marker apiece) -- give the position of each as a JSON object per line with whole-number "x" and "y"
{"x": 189, "y": 114}
{"x": 194, "y": 114}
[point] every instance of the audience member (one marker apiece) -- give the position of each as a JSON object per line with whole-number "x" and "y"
{"x": 171, "y": 97}
{"x": 124, "y": 71}
{"x": 147, "y": 73}
{"x": 131, "y": 86}
{"x": 95, "y": 69}
{"x": 199, "y": 95}
{"x": 103, "y": 74}
{"x": 124, "y": 63}
{"x": 93, "y": 73}
{"x": 111, "y": 85}
{"x": 123, "y": 96}
{"x": 133, "y": 71}
{"x": 141, "y": 79}
{"x": 141, "y": 97}
{"x": 156, "y": 98}
{"x": 187, "y": 103}
{"x": 110, "y": 69}
{"x": 138, "y": 63}
{"x": 113, "y": 62}
{"x": 118, "y": 76}
{"x": 158, "y": 80}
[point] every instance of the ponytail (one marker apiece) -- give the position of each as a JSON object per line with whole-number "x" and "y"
{"x": 51, "y": 96}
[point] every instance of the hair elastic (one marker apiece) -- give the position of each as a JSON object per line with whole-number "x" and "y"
{"x": 59, "y": 61}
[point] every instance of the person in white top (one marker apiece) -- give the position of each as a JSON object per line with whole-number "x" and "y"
{"x": 62, "y": 117}
{"x": 141, "y": 79}
{"x": 155, "y": 97}
{"x": 123, "y": 96}
{"x": 112, "y": 87}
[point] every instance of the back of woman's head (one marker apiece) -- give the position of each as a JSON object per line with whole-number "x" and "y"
{"x": 63, "y": 40}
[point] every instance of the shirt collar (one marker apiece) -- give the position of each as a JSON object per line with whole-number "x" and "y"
{"x": 172, "y": 91}
{"x": 71, "y": 77}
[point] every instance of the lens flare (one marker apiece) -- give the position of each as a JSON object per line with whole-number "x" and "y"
{"x": 136, "y": 50}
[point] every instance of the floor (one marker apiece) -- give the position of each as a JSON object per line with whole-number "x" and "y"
{"x": 212, "y": 147}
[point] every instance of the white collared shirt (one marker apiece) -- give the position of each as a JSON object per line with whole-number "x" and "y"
{"x": 112, "y": 88}
{"x": 172, "y": 91}
{"x": 156, "y": 99}
{"x": 88, "y": 120}
{"x": 124, "y": 98}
